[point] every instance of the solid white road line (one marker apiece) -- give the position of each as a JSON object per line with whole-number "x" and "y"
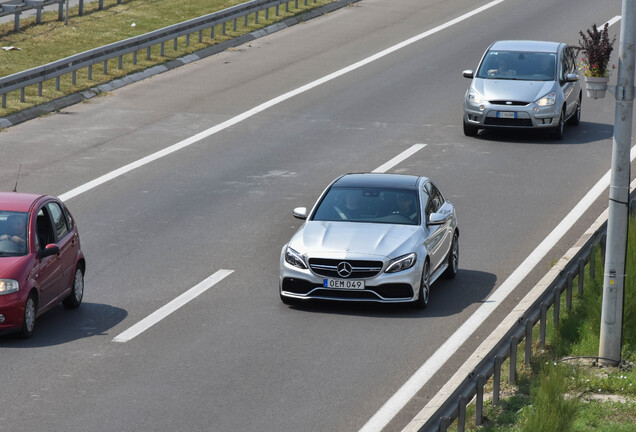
{"x": 175, "y": 304}
{"x": 399, "y": 158}
{"x": 262, "y": 107}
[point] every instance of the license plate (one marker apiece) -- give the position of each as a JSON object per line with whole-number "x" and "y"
{"x": 506, "y": 114}
{"x": 343, "y": 284}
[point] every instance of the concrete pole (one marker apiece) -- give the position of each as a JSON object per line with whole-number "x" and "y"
{"x": 616, "y": 250}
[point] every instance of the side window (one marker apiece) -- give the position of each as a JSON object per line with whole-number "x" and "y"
{"x": 59, "y": 218}
{"x": 43, "y": 228}
{"x": 435, "y": 200}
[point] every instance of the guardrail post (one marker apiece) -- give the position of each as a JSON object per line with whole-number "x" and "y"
{"x": 266, "y": 14}
{"x": 16, "y": 22}
{"x": 528, "y": 350}
{"x": 4, "y": 100}
{"x": 81, "y": 8}
{"x": 287, "y": 6}
{"x": 246, "y": 17}
{"x": 163, "y": 48}
{"x": 90, "y": 72}
{"x": 256, "y": 17}
{"x": 57, "y": 83}
{"x": 461, "y": 414}
{"x": 496, "y": 380}
{"x": 105, "y": 67}
{"x": 174, "y": 46}
{"x": 512, "y": 375}
{"x": 22, "y": 99}
{"x": 444, "y": 422}
{"x": 60, "y": 11}
{"x": 479, "y": 403}
{"x": 543, "y": 322}
{"x": 593, "y": 262}
{"x": 556, "y": 307}
{"x": 101, "y": 4}
{"x": 120, "y": 62}
{"x": 235, "y": 20}
{"x": 135, "y": 57}
{"x": 277, "y": 10}
{"x": 38, "y": 16}
{"x": 296, "y": 4}
{"x": 188, "y": 40}
{"x": 74, "y": 77}
{"x": 581, "y": 277}
{"x": 223, "y": 28}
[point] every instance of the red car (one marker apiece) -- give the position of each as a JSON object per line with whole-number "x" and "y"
{"x": 41, "y": 261}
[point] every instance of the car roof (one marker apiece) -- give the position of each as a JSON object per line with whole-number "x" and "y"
{"x": 526, "y": 45}
{"x": 17, "y": 201}
{"x": 393, "y": 181}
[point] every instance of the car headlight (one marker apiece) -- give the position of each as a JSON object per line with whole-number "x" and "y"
{"x": 401, "y": 263}
{"x": 474, "y": 96}
{"x": 8, "y": 286}
{"x": 294, "y": 258}
{"x": 547, "y": 100}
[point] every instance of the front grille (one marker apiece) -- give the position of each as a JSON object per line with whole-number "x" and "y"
{"x": 493, "y": 121}
{"x": 509, "y": 103}
{"x": 359, "y": 268}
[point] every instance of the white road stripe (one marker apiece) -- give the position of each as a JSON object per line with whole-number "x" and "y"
{"x": 175, "y": 304}
{"x": 399, "y": 158}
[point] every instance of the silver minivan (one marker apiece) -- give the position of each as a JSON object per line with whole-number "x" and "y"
{"x": 524, "y": 84}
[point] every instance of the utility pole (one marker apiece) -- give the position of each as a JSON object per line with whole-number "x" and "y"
{"x": 616, "y": 250}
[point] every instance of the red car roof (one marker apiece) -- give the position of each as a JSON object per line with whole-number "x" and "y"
{"x": 17, "y": 201}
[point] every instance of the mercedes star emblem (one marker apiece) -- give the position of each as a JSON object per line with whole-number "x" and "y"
{"x": 344, "y": 269}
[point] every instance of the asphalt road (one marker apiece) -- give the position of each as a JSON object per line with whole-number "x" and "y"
{"x": 236, "y": 358}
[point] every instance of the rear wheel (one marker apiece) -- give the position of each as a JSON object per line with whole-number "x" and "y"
{"x": 74, "y": 299}
{"x": 30, "y": 308}
{"x": 425, "y": 289}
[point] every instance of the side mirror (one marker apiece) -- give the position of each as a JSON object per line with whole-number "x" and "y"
{"x": 437, "y": 219}
{"x": 468, "y": 73}
{"x": 50, "y": 249}
{"x": 572, "y": 77}
{"x": 300, "y": 213}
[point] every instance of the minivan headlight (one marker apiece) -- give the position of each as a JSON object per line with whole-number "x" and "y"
{"x": 8, "y": 286}
{"x": 474, "y": 96}
{"x": 547, "y": 100}
{"x": 294, "y": 258}
{"x": 401, "y": 263}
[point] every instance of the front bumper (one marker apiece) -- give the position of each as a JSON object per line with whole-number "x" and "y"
{"x": 489, "y": 115}
{"x": 304, "y": 284}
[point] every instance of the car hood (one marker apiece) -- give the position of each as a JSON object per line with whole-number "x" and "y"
{"x": 512, "y": 90}
{"x": 10, "y": 266}
{"x": 320, "y": 238}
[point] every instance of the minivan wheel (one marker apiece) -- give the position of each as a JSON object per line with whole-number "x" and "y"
{"x": 576, "y": 117}
{"x": 470, "y": 130}
{"x": 558, "y": 131}
{"x": 28, "y": 325}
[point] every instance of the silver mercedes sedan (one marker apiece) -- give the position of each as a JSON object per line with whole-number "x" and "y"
{"x": 524, "y": 84}
{"x": 371, "y": 238}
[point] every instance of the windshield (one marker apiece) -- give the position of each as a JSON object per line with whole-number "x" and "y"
{"x": 375, "y": 205}
{"x": 518, "y": 65}
{"x": 13, "y": 230}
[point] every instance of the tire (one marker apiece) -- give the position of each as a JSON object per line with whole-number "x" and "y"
{"x": 576, "y": 117}
{"x": 74, "y": 299}
{"x": 453, "y": 258}
{"x": 30, "y": 310}
{"x": 559, "y": 130}
{"x": 470, "y": 130}
{"x": 425, "y": 289}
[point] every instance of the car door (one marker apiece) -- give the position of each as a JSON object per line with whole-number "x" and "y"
{"x": 66, "y": 239}
{"x": 47, "y": 276}
{"x": 567, "y": 66}
{"x": 436, "y": 233}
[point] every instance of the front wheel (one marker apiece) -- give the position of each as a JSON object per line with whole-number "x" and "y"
{"x": 453, "y": 258}
{"x": 30, "y": 309}
{"x": 559, "y": 130}
{"x": 74, "y": 299}
{"x": 576, "y": 117}
{"x": 425, "y": 289}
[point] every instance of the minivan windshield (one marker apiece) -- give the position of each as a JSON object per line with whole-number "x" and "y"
{"x": 518, "y": 65}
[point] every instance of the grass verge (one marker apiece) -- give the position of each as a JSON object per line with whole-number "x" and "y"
{"x": 564, "y": 389}
{"x": 52, "y": 40}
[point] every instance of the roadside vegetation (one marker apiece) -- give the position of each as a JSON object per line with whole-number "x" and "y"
{"x": 565, "y": 389}
{"x": 40, "y": 44}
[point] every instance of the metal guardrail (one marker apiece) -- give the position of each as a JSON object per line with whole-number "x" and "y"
{"x": 468, "y": 383}
{"x": 70, "y": 65}
{"x": 16, "y": 7}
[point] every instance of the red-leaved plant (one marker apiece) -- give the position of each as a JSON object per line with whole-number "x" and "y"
{"x": 597, "y": 47}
